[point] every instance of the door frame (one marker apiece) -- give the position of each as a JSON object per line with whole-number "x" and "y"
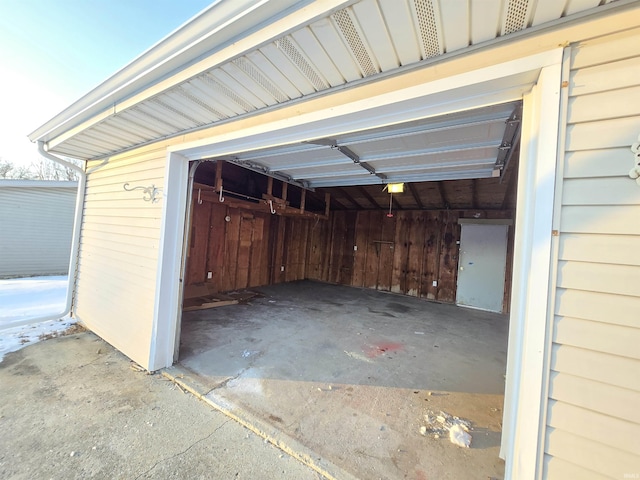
{"x": 536, "y": 80}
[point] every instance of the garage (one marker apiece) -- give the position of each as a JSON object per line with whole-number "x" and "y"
{"x": 347, "y": 333}
{"x": 249, "y": 153}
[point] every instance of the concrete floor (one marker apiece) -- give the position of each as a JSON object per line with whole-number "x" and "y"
{"x": 349, "y": 374}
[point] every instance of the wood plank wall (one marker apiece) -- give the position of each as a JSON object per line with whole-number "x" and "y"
{"x": 405, "y": 253}
{"x": 402, "y": 254}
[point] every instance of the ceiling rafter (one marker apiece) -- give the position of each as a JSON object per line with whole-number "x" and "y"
{"x": 370, "y": 199}
{"x": 443, "y": 195}
{"x": 346, "y": 195}
{"x": 416, "y": 197}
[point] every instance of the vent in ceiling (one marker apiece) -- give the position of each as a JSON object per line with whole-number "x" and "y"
{"x": 176, "y": 111}
{"x": 298, "y": 58}
{"x": 227, "y": 92}
{"x": 516, "y": 18}
{"x": 351, "y": 35}
{"x": 214, "y": 113}
{"x": 428, "y": 27}
{"x": 249, "y": 69}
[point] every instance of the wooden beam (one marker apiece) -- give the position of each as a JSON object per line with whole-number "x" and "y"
{"x": 369, "y": 198}
{"x": 443, "y": 195}
{"x": 349, "y": 197}
{"x": 337, "y": 203}
{"x": 218, "y": 175}
{"x": 474, "y": 194}
{"x": 416, "y": 197}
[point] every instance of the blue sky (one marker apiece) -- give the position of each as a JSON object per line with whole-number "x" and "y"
{"x": 54, "y": 51}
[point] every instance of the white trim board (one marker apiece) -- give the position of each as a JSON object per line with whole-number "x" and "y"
{"x": 531, "y": 269}
{"x": 486, "y": 86}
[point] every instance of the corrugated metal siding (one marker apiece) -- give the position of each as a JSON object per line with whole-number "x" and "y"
{"x": 119, "y": 251}
{"x": 594, "y": 392}
{"x": 36, "y": 226}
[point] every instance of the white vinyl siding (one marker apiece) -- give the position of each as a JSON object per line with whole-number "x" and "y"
{"x": 593, "y": 420}
{"x": 119, "y": 242}
{"x": 36, "y": 226}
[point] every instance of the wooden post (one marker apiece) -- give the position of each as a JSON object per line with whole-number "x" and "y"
{"x": 327, "y": 204}
{"x": 218, "y": 175}
{"x": 303, "y": 200}
{"x": 285, "y": 186}
{"x": 269, "y": 185}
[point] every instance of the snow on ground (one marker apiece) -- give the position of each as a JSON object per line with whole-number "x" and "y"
{"x": 22, "y": 298}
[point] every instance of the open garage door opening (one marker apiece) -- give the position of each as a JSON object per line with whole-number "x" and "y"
{"x": 325, "y": 304}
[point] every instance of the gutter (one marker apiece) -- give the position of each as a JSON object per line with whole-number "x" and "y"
{"x": 75, "y": 243}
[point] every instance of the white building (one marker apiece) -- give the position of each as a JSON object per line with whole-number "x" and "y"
{"x": 249, "y": 82}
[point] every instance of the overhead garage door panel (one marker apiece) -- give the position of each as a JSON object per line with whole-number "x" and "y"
{"x": 461, "y": 145}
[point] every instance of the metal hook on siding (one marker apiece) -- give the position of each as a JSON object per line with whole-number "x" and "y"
{"x": 271, "y": 207}
{"x": 199, "y": 199}
{"x": 221, "y": 196}
{"x": 150, "y": 194}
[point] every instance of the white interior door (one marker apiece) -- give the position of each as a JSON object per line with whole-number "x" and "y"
{"x": 481, "y": 267}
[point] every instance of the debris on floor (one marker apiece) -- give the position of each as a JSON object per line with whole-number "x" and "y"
{"x": 459, "y": 437}
{"x": 442, "y": 424}
{"x": 200, "y": 296}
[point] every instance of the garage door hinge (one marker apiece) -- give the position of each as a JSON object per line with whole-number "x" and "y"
{"x": 565, "y": 84}
{"x": 555, "y": 233}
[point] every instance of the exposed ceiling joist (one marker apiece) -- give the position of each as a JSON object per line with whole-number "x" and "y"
{"x": 416, "y": 197}
{"x": 369, "y": 198}
{"x": 343, "y": 193}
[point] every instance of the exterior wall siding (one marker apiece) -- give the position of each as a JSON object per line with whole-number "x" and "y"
{"x": 593, "y": 424}
{"x": 116, "y": 277}
{"x": 37, "y": 226}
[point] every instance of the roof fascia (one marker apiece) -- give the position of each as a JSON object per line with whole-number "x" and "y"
{"x": 220, "y": 25}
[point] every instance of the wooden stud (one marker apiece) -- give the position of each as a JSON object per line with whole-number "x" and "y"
{"x": 416, "y": 251}
{"x": 327, "y": 204}
{"x": 400, "y": 252}
{"x": 432, "y": 242}
{"x": 217, "y": 245}
{"x": 360, "y": 240}
{"x": 385, "y": 260}
{"x": 218, "y": 175}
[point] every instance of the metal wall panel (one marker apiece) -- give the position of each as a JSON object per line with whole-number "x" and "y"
{"x": 36, "y": 227}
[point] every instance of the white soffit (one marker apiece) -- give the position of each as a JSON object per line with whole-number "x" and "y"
{"x": 361, "y": 41}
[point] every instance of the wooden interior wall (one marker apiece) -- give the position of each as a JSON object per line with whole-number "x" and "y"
{"x": 405, "y": 253}
{"x": 249, "y": 250}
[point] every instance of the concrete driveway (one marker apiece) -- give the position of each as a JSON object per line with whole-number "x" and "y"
{"x": 73, "y": 407}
